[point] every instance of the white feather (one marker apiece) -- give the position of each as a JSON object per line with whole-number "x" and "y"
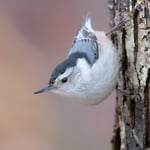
{"x": 88, "y": 24}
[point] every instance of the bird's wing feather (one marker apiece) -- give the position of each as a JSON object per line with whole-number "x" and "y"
{"x": 86, "y": 42}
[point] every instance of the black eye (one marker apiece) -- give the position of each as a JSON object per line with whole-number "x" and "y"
{"x": 64, "y": 80}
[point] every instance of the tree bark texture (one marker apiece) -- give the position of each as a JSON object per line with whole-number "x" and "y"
{"x": 132, "y": 123}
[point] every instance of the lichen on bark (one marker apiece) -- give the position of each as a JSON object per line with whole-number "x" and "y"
{"x": 133, "y": 44}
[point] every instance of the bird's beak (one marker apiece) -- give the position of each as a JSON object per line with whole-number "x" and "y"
{"x": 44, "y": 89}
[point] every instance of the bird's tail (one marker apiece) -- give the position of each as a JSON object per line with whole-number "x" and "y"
{"x": 85, "y": 29}
{"x": 87, "y": 23}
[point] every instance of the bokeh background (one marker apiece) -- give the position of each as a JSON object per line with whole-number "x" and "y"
{"x": 35, "y": 35}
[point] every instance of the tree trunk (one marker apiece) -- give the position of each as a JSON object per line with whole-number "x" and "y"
{"x": 132, "y": 123}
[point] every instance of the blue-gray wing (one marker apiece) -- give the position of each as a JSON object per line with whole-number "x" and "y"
{"x": 86, "y": 47}
{"x": 85, "y": 42}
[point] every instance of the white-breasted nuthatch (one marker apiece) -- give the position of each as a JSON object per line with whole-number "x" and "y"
{"x": 89, "y": 73}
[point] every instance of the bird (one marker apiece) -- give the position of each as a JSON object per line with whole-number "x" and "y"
{"x": 90, "y": 71}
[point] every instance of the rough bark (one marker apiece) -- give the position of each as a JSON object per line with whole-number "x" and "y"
{"x": 132, "y": 124}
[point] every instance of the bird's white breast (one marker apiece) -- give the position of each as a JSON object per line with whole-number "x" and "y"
{"x": 95, "y": 83}
{"x": 92, "y": 84}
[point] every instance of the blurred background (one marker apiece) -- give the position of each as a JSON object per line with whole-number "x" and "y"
{"x": 35, "y": 35}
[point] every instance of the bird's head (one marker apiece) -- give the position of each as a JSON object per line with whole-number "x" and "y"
{"x": 62, "y": 78}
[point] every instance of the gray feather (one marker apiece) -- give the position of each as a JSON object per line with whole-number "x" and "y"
{"x": 84, "y": 46}
{"x": 86, "y": 42}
